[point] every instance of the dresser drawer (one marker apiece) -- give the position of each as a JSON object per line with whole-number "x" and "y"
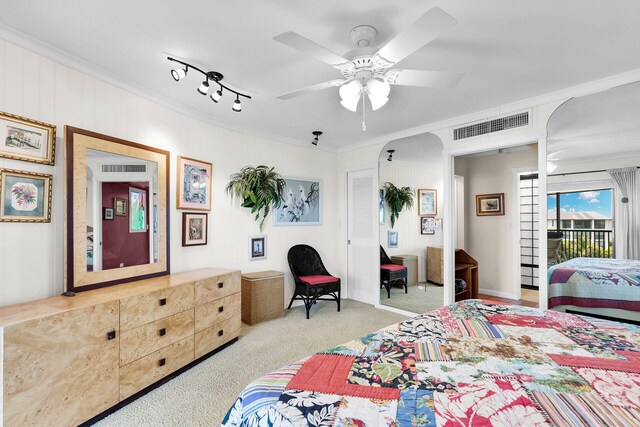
{"x": 217, "y": 287}
{"x": 143, "y": 372}
{"x": 148, "y": 338}
{"x": 213, "y": 312}
{"x": 213, "y": 337}
{"x": 141, "y": 309}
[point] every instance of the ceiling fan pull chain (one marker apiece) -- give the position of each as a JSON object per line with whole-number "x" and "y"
{"x": 364, "y": 125}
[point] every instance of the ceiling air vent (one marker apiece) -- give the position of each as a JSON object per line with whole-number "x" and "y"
{"x": 124, "y": 168}
{"x": 496, "y": 125}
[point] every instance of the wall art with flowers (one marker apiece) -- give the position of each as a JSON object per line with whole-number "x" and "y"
{"x": 24, "y": 196}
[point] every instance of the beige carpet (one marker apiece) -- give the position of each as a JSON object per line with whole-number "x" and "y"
{"x": 416, "y": 300}
{"x": 202, "y": 395}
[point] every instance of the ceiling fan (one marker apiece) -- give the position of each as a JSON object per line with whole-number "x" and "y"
{"x": 369, "y": 71}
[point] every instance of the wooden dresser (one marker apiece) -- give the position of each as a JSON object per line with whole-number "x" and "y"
{"x": 67, "y": 359}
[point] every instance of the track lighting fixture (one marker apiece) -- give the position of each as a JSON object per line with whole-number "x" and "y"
{"x": 316, "y": 133}
{"x": 180, "y": 72}
{"x": 390, "y": 155}
{"x": 237, "y": 105}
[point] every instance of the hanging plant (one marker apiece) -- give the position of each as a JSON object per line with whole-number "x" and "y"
{"x": 259, "y": 187}
{"x": 397, "y": 199}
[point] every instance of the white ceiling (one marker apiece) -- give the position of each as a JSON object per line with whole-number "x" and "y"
{"x": 510, "y": 50}
{"x": 425, "y": 148}
{"x": 601, "y": 126}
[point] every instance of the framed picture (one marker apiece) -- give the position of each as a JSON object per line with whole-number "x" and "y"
{"x": 120, "y": 206}
{"x": 194, "y": 228}
{"x": 427, "y": 226}
{"x": 302, "y": 204}
{"x": 490, "y": 204}
{"x": 381, "y": 202}
{"x": 26, "y": 139}
{"x": 257, "y": 247}
{"x": 393, "y": 239}
{"x": 108, "y": 213}
{"x": 24, "y": 196}
{"x": 137, "y": 210}
{"x": 427, "y": 202}
{"x": 194, "y": 184}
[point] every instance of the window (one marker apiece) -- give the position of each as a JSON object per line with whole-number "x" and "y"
{"x": 566, "y": 224}
{"x": 599, "y": 224}
{"x": 582, "y": 224}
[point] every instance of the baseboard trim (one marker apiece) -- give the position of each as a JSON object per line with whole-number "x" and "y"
{"x": 153, "y": 386}
{"x": 500, "y": 294}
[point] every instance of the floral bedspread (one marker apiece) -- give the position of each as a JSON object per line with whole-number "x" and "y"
{"x": 595, "y": 282}
{"x": 475, "y": 362}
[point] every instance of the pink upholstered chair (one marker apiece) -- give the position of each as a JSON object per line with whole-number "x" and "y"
{"x": 312, "y": 279}
{"x": 391, "y": 273}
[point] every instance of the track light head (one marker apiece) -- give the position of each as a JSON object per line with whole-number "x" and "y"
{"x": 237, "y": 105}
{"x": 316, "y": 133}
{"x": 390, "y": 158}
{"x": 204, "y": 87}
{"x": 215, "y": 96}
{"x": 179, "y": 73}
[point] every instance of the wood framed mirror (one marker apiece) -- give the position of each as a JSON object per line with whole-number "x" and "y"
{"x": 116, "y": 212}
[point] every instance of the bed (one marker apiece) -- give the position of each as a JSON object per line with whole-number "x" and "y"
{"x": 600, "y": 284}
{"x": 475, "y": 362}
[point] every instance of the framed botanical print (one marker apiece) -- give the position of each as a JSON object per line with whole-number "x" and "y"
{"x": 25, "y": 196}
{"x": 427, "y": 202}
{"x": 301, "y": 204}
{"x": 120, "y": 206}
{"x": 137, "y": 210}
{"x": 194, "y": 228}
{"x": 26, "y": 139}
{"x": 257, "y": 247}
{"x": 194, "y": 184}
{"x": 490, "y": 204}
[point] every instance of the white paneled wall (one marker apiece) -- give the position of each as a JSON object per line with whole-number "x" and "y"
{"x": 31, "y": 255}
{"x": 410, "y": 241}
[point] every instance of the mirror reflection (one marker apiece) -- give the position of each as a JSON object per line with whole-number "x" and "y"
{"x": 593, "y": 234}
{"x": 410, "y": 199}
{"x": 122, "y": 214}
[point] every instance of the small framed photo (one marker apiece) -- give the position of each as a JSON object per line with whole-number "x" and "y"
{"x": 393, "y": 239}
{"x": 257, "y": 247}
{"x": 119, "y": 206}
{"x": 427, "y": 202}
{"x": 26, "y": 139}
{"x": 108, "y": 213}
{"x": 194, "y": 228}
{"x": 194, "y": 184}
{"x": 137, "y": 210}
{"x": 490, "y": 204}
{"x": 381, "y": 202}
{"x": 426, "y": 226}
{"x": 24, "y": 196}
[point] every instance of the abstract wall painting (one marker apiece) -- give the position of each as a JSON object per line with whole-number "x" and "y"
{"x": 194, "y": 184}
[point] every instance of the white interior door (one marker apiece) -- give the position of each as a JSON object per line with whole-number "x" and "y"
{"x": 362, "y": 245}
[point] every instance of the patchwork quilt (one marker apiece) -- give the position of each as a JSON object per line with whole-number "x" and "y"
{"x": 476, "y": 362}
{"x": 595, "y": 282}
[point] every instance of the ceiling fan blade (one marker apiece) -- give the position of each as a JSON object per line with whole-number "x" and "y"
{"x": 314, "y": 88}
{"x": 427, "y": 28}
{"x": 303, "y": 45}
{"x": 437, "y": 79}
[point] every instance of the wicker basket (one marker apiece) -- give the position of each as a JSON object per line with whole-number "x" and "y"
{"x": 262, "y": 296}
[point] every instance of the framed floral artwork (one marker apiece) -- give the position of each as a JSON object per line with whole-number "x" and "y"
{"x": 301, "y": 204}
{"x": 194, "y": 184}
{"x": 25, "y": 196}
{"x": 194, "y": 228}
{"x": 26, "y": 139}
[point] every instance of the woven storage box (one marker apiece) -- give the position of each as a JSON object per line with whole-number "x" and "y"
{"x": 262, "y": 296}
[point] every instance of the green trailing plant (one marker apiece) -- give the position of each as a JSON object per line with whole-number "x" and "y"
{"x": 259, "y": 187}
{"x": 397, "y": 199}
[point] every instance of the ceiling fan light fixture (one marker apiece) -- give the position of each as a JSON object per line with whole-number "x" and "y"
{"x": 179, "y": 73}
{"x": 204, "y": 88}
{"x": 350, "y": 104}
{"x": 350, "y": 94}
{"x": 378, "y": 93}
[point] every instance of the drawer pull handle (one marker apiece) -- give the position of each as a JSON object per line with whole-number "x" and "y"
{"x": 162, "y": 332}
{"x": 163, "y": 301}
{"x": 220, "y": 333}
{"x": 162, "y": 362}
{"x": 220, "y": 309}
{"x": 220, "y": 285}
{"x": 111, "y": 335}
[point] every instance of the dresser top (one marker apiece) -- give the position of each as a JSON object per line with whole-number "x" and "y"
{"x": 25, "y": 311}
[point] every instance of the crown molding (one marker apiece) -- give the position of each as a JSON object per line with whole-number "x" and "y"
{"x": 67, "y": 59}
